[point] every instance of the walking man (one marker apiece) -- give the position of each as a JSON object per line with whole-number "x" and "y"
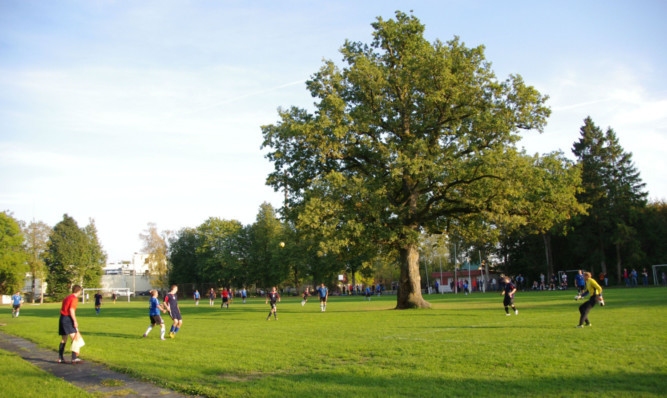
{"x": 68, "y": 325}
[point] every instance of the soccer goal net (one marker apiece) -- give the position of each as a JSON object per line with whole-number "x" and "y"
{"x": 121, "y": 293}
{"x": 658, "y": 271}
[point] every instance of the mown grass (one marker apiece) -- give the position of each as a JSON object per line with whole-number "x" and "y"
{"x": 19, "y": 378}
{"x": 463, "y": 346}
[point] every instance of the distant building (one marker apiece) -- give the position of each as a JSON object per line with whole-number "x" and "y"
{"x": 139, "y": 264}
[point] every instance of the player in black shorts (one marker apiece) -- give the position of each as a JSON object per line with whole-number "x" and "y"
{"x": 98, "y": 302}
{"x": 274, "y": 297}
{"x": 171, "y": 303}
{"x": 508, "y": 301}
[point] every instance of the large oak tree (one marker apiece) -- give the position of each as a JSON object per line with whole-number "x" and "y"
{"x": 407, "y": 137}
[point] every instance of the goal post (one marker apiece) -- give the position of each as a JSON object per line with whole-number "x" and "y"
{"x": 658, "y": 281}
{"x": 120, "y": 292}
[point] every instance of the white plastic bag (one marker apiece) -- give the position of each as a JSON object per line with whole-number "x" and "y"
{"x": 77, "y": 343}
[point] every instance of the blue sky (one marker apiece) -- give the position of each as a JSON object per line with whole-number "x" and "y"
{"x": 135, "y": 112}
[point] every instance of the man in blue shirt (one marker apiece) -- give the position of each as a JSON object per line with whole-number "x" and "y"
{"x": 324, "y": 294}
{"x": 579, "y": 281}
{"x": 17, "y": 300}
{"x": 154, "y": 309}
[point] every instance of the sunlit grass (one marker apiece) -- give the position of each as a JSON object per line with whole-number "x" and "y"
{"x": 464, "y": 345}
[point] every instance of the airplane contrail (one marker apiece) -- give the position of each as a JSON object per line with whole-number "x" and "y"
{"x": 252, "y": 94}
{"x": 579, "y": 105}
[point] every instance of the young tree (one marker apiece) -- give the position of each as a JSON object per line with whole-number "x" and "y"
{"x": 408, "y": 137}
{"x": 96, "y": 256}
{"x": 183, "y": 256}
{"x": 217, "y": 250}
{"x": 36, "y": 243}
{"x": 12, "y": 255}
{"x": 267, "y": 261}
{"x": 66, "y": 257}
{"x": 155, "y": 245}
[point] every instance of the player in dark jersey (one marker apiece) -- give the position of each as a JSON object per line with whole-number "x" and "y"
{"x": 98, "y": 302}
{"x": 508, "y": 301}
{"x": 154, "y": 309}
{"x": 171, "y": 303}
{"x": 274, "y": 297}
{"x": 211, "y": 297}
{"x": 68, "y": 323}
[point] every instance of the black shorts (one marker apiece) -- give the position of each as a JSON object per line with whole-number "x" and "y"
{"x": 273, "y": 304}
{"x": 155, "y": 319}
{"x": 323, "y": 299}
{"x": 66, "y": 326}
{"x": 176, "y": 315}
{"x": 509, "y": 300}
{"x": 16, "y": 306}
{"x": 225, "y": 299}
{"x": 97, "y": 304}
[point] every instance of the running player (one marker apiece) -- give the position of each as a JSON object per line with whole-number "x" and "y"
{"x": 508, "y": 301}
{"x": 68, "y": 325}
{"x": 98, "y": 302}
{"x": 114, "y": 296}
{"x": 17, "y": 300}
{"x": 154, "y": 308}
{"x": 324, "y": 295}
{"x": 595, "y": 290}
{"x": 196, "y": 297}
{"x": 368, "y": 293}
{"x": 244, "y": 294}
{"x": 171, "y": 304}
{"x": 274, "y": 297}
{"x": 305, "y": 297}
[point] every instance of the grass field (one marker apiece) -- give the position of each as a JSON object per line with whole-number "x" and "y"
{"x": 463, "y": 346}
{"x": 18, "y": 378}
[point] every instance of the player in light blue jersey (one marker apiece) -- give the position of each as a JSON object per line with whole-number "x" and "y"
{"x": 324, "y": 295}
{"x": 17, "y": 300}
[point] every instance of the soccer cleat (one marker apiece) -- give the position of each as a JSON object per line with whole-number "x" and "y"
{"x": 172, "y": 335}
{"x": 580, "y": 326}
{"x": 76, "y": 360}
{"x": 144, "y": 335}
{"x": 588, "y": 324}
{"x": 61, "y": 361}
{"x": 162, "y": 338}
{"x": 507, "y": 314}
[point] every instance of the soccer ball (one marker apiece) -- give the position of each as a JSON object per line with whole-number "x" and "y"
{"x": 577, "y": 297}
{"x": 282, "y": 244}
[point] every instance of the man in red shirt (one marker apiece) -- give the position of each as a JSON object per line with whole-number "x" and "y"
{"x": 68, "y": 324}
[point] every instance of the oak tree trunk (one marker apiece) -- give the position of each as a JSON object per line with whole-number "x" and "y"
{"x": 409, "y": 289}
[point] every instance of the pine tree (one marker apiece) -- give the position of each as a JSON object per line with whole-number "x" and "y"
{"x": 613, "y": 189}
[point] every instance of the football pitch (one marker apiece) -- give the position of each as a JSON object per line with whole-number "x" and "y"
{"x": 463, "y": 346}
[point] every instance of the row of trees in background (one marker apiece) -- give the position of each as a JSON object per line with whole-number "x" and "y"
{"x": 61, "y": 256}
{"x": 227, "y": 253}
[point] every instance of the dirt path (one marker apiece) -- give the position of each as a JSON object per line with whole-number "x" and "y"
{"x": 90, "y": 376}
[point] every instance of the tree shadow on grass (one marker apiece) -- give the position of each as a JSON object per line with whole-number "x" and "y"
{"x": 588, "y": 383}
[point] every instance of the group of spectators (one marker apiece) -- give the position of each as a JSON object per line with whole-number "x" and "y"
{"x": 630, "y": 278}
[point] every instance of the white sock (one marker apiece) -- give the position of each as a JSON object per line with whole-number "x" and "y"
{"x": 148, "y": 330}
{"x": 162, "y": 332}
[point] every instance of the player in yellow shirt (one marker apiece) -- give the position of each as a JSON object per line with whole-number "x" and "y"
{"x": 594, "y": 289}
